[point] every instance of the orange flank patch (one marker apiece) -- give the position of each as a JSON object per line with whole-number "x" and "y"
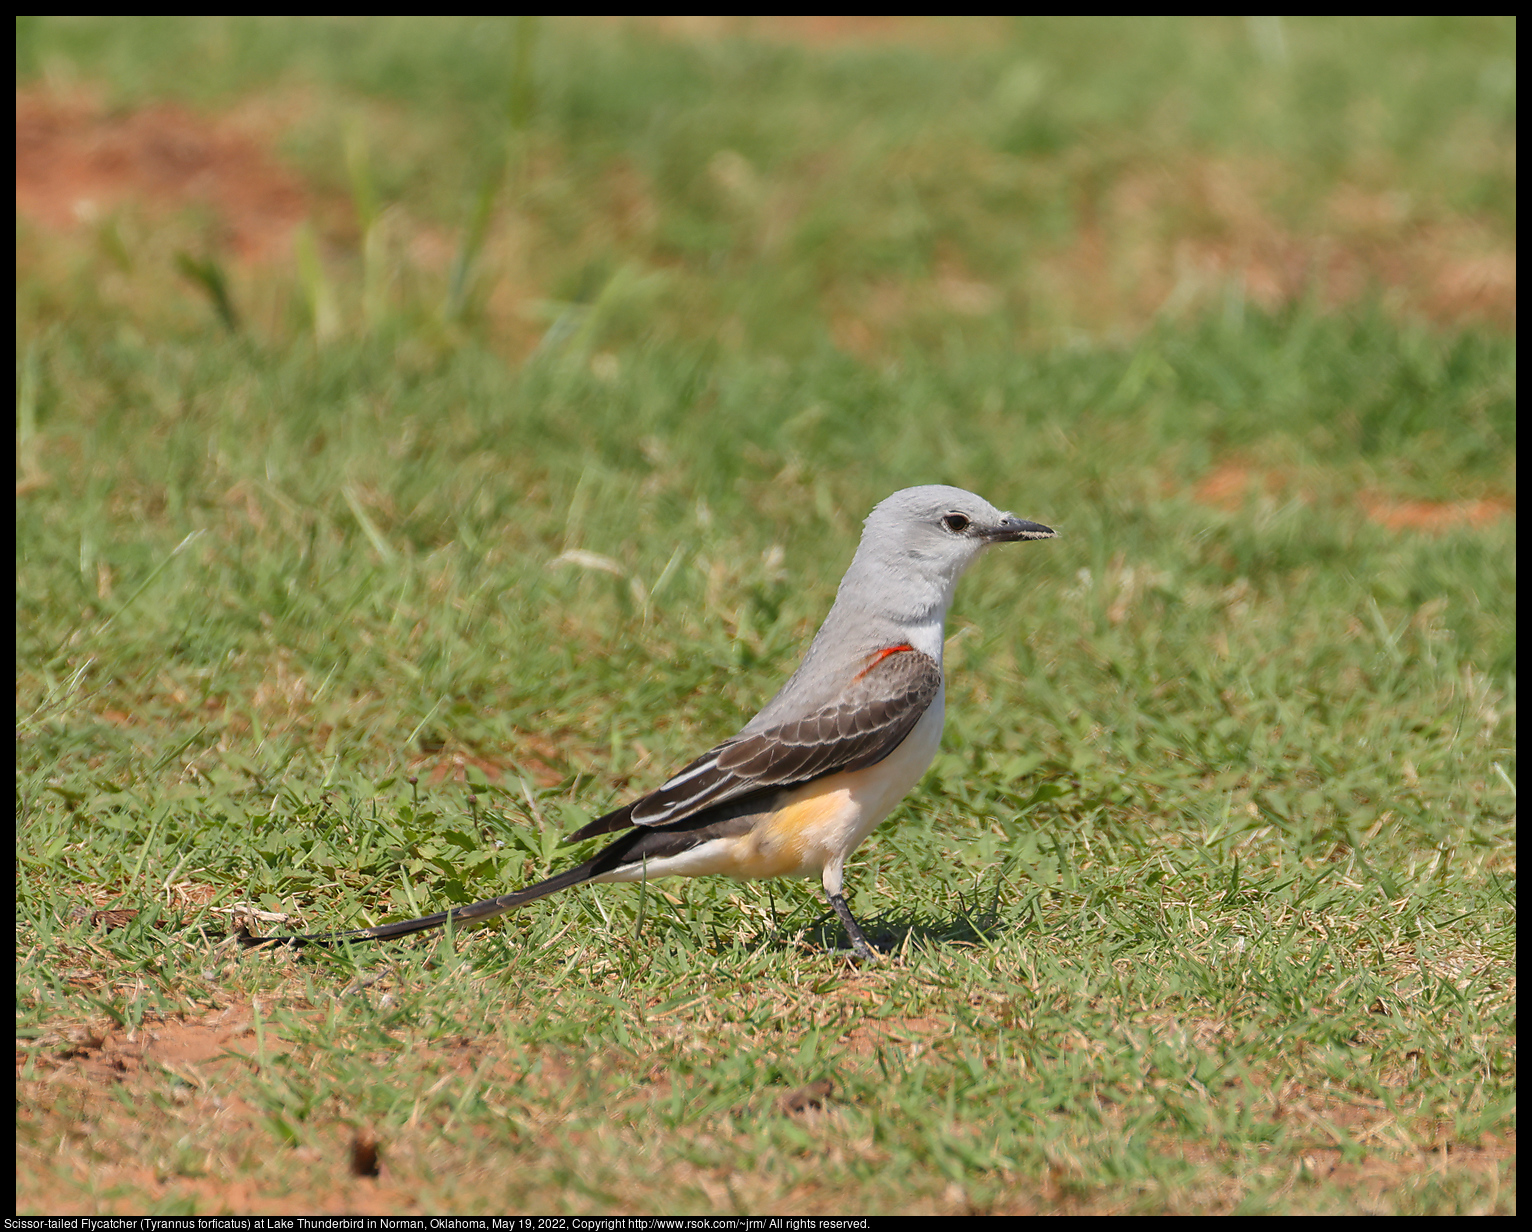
{"x": 879, "y": 655}
{"x": 796, "y": 839}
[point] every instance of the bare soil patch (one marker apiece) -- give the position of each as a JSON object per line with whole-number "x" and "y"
{"x": 1231, "y": 484}
{"x": 76, "y": 161}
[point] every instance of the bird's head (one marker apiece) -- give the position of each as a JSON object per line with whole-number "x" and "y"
{"x": 931, "y": 534}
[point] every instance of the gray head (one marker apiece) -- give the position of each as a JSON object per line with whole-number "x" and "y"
{"x": 930, "y": 535}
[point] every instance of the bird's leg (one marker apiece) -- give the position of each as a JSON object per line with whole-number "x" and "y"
{"x": 859, "y": 943}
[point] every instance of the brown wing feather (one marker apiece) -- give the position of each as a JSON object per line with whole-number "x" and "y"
{"x": 864, "y": 726}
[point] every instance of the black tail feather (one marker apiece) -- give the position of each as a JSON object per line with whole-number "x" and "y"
{"x": 630, "y": 849}
{"x": 617, "y": 819}
{"x": 485, "y": 910}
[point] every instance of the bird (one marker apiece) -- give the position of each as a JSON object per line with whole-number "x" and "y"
{"x": 826, "y": 759}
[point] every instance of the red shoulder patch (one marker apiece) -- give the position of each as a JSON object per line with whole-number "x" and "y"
{"x": 879, "y": 655}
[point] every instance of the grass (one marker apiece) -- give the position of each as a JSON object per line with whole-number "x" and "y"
{"x": 348, "y": 584}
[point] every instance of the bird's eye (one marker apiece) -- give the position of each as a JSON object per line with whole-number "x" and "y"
{"x": 955, "y": 522}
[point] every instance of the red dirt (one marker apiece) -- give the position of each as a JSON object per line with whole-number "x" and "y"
{"x": 75, "y": 162}
{"x": 112, "y": 1055}
{"x": 1228, "y": 487}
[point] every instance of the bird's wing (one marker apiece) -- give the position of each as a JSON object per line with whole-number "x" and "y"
{"x": 870, "y": 719}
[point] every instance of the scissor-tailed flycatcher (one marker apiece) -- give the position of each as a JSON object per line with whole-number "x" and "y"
{"x": 828, "y": 757}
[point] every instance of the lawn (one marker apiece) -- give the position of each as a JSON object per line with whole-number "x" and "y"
{"x": 433, "y": 432}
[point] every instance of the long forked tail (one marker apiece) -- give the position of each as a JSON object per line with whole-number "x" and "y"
{"x": 485, "y": 910}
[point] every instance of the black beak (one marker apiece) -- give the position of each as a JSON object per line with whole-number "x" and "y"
{"x": 1013, "y": 529}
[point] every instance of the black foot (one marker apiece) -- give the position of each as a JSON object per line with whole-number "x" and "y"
{"x": 859, "y": 943}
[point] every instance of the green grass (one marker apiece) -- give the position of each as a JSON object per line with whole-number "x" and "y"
{"x": 1208, "y": 902}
